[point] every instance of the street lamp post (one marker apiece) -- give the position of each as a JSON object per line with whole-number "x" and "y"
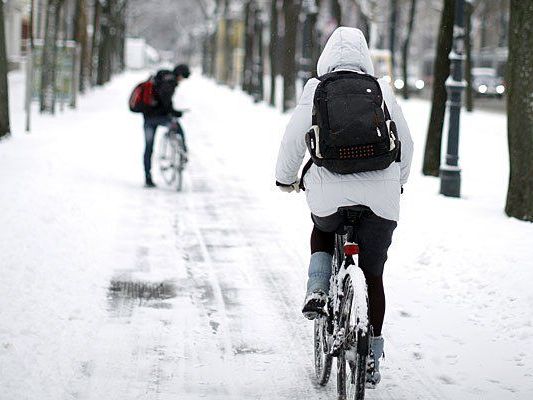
{"x": 450, "y": 172}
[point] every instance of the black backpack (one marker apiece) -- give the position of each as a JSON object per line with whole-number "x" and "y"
{"x": 352, "y": 128}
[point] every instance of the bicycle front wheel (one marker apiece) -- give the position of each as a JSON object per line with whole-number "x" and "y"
{"x": 168, "y": 153}
{"x": 323, "y": 359}
{"x": 352, "y": 359}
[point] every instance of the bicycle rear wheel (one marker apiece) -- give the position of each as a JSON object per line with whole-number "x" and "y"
{"x": 352, "y": 358}
{"x": 323, "y": 359}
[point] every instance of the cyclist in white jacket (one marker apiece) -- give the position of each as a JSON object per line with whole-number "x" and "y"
{"x": 326, "y": 191}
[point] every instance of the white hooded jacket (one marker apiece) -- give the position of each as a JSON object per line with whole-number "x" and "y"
{"x": 346, "y": 49}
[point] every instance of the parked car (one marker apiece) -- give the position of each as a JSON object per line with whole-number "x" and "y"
{"x": 414, "y": 84}
{"x": 486, "y": 82}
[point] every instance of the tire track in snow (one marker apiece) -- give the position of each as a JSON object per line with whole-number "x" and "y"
{"x": 298, "y": 346}
{"x": 223, "y": 327}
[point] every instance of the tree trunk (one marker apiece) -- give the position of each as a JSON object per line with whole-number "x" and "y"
{"x": 120, "y": 36}
{"x": 46, "y": 56}
{"x": 392, "y": 34}
{"x": 58, "y": 27}
{"x": 258, "y": 61}
{"x": 317, "y": 34}
{"x": 80, "y": 30}
{"x": 503, "y": 22}
{"x": 363, "y": 22}
{"x": 104, "y": 46}
{"x": 247, "y": 69}
{"x": 441, "y": 71}
{"x": 213, "y": 52}
{"x": 520, "y": 111}
{"x": 227, "y": 49}
{"x": 273, "y": 50}
{"x": 483, "y": 19}
{"x": 221, "y": 54}
{"x": 94, "y": 42}
{"x": 336, "y": 12}
{"x": 309, "y": 43}
{"x": 205, "y": 42}
{"x": 291, "y": 11}
{"x": 49, "y": 57}
{"x": 205, "y": 55}
{"x": 4, "y": 98}
{"x": 31, "y": 24}
{"x": 63, "y": 33}
{"x": 213, "y": 41}
{"x": 122, "y": 47}
{"x": 405, "y": 48}
{"x": 469, "y": 95}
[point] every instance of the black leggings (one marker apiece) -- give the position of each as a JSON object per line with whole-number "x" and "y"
{"x": 372, "y": 258}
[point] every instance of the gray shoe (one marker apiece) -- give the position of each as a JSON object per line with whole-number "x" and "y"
{"x": 373, "y": 376}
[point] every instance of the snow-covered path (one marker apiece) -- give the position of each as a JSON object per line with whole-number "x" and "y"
{"x": 113, "y": 291}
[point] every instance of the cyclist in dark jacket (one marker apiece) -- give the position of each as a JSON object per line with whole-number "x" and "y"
{"x": 161, "y": 114}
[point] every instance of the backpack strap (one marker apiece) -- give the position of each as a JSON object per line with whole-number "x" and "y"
{"x": 399, "y": 144}
{"x": 314, "y": 120}
{"x": 304, "y": 171}
{"x": 386, "y": 111}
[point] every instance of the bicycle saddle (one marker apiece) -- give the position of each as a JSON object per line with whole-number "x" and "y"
{"x": 356, "y": 208}
{"x": 351, "y": 215}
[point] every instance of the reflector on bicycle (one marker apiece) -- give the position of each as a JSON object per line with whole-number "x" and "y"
{"x": 351, "y": 249}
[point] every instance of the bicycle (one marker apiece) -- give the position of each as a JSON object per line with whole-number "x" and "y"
{"x": 172, "y": 156}
{"x": 343, "y": 330}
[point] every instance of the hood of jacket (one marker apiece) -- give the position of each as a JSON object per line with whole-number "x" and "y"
{"x": 345, "y": 49}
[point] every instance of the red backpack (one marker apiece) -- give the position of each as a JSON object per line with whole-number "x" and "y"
{"x": 142, "y": 97}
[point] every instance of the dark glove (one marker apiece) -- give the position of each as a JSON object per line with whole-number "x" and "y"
{"x": 177, "y": 113}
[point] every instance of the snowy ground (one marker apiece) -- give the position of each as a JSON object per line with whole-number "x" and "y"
{"x": 112, "y": 291}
